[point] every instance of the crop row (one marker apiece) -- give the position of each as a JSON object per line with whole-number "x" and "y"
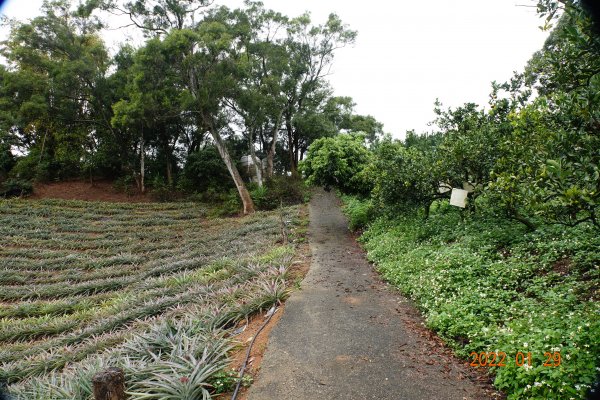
{"x": 83, "y": 284}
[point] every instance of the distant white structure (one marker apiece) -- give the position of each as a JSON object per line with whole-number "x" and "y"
{"x": 248, "y": 166}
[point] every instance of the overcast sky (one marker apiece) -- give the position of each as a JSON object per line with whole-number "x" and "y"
{"x": 408, "y": 53}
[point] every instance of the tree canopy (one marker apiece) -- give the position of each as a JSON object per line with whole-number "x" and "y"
{"x": 204, "y": 76}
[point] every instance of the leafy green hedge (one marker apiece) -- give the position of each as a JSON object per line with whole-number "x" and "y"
{"x": 486, "y": 285}
{"x": 359, "y": 211}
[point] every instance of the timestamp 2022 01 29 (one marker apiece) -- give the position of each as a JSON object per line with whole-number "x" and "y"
{"x": 520, "y": 359}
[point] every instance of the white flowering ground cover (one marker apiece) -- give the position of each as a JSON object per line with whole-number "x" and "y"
{"x": 152, "y": 288}
{"x": 486, "y": 285}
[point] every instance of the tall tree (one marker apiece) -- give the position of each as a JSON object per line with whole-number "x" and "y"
{"x": 259, "y": 99}
{"x": 156, "y": 17}
{"x": 202, "y": 52}
{"x": 56, "y": 82}
{"x": 310, "y": 50}
{"x": 205, "y": 59}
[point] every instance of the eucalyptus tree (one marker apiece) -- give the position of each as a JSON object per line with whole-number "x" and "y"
{"x": 259, "y": 99}
{"x": 310, "y": 50}
{"x": 202, "y": 55}
{"x": 156, "y": 17}
{"x": 205, "y": 60}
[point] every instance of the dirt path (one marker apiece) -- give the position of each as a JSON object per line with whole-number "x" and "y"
{"x": 346, "y": 335}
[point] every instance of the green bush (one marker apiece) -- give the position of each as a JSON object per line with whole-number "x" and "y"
{"x": 405, "y": 177}
{"x": 16, "y": 188}
{"x": 7, "y": 161}
{"x": 277, "y": 191}
{"x": 260, "y": 197}
{"x": 30, "y": 168}
{"x": 125, "y": 184}
{"x": 161, "y": 190}
{"x": 224, "y": 204}
{"x": 360, "y": 212}
{"x": 205, "y": 170}
{"x": 339, "y": 161}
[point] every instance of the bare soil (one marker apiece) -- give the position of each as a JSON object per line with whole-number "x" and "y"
{"x": 84, "y": 190}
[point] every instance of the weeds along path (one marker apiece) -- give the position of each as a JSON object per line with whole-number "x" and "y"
{"x": 345, "y": 335}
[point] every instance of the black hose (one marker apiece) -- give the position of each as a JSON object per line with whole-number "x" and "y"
{"x": 243, "y": 369}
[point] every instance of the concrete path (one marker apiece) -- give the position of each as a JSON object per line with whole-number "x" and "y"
{"x": 346, "y": 335}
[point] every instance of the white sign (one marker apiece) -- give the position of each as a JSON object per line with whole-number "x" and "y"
{"x": 458, "y": 198}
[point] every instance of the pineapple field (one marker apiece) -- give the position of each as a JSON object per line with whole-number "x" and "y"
{"x": 156, "y": 289}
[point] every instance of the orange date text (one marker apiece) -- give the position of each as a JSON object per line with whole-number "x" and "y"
{"x": 521, "y": 359}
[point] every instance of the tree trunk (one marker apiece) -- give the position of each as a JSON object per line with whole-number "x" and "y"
{"x": 288, "y": 125}
{"x": 270, "y": 158}
{"x": 515, "y": 215}
{"x": 296, "y": 157}
{"x": 142, "y": 166}
{"x": 255, "y": 160}
{"x": 235, "y": 174}
{"x": 271, "y": 153}
{"x": 169, "y": 172}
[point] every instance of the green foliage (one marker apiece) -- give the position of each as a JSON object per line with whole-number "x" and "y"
{"x": 30, "y": 168}
{"x": 360, "y": 212}
{"x": 7, "y": 160}
{"x": 54, "y": 93}
{"x": 74, "y": 110}
{"x": 226, "y": 381}
{"x": 15, "y": 188}
{"x": 484, "y": 284}
{"x": 204, "y": 170}
{"x": 280, "y": 191}
{"x": 404, "y": 176}
{"x": 125, "y": 184}
{"x": 339, "y": 161}
{"x": 227, "y": 204}
{"x": 161, "y": 190}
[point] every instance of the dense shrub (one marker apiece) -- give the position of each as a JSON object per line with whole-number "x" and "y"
{"x": 7, "y": 161}
{"x": 16, "y": 188}
{"x": 224, "y": 204}
{"x": 125, "y": 184}
{"x": 338, "y": 161}
{"x": 360, "y": 212}
{"x": 404, "y": 176}
{"x": 161, "y": 190}
{"x": 31, "y": 168}
{"x": 204, "y": 170}
{"x": 279, "y": 191}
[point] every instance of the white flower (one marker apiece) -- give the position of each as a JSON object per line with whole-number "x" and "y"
{"x": 537, "y": 384}
{"x": 525, "y": 344}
